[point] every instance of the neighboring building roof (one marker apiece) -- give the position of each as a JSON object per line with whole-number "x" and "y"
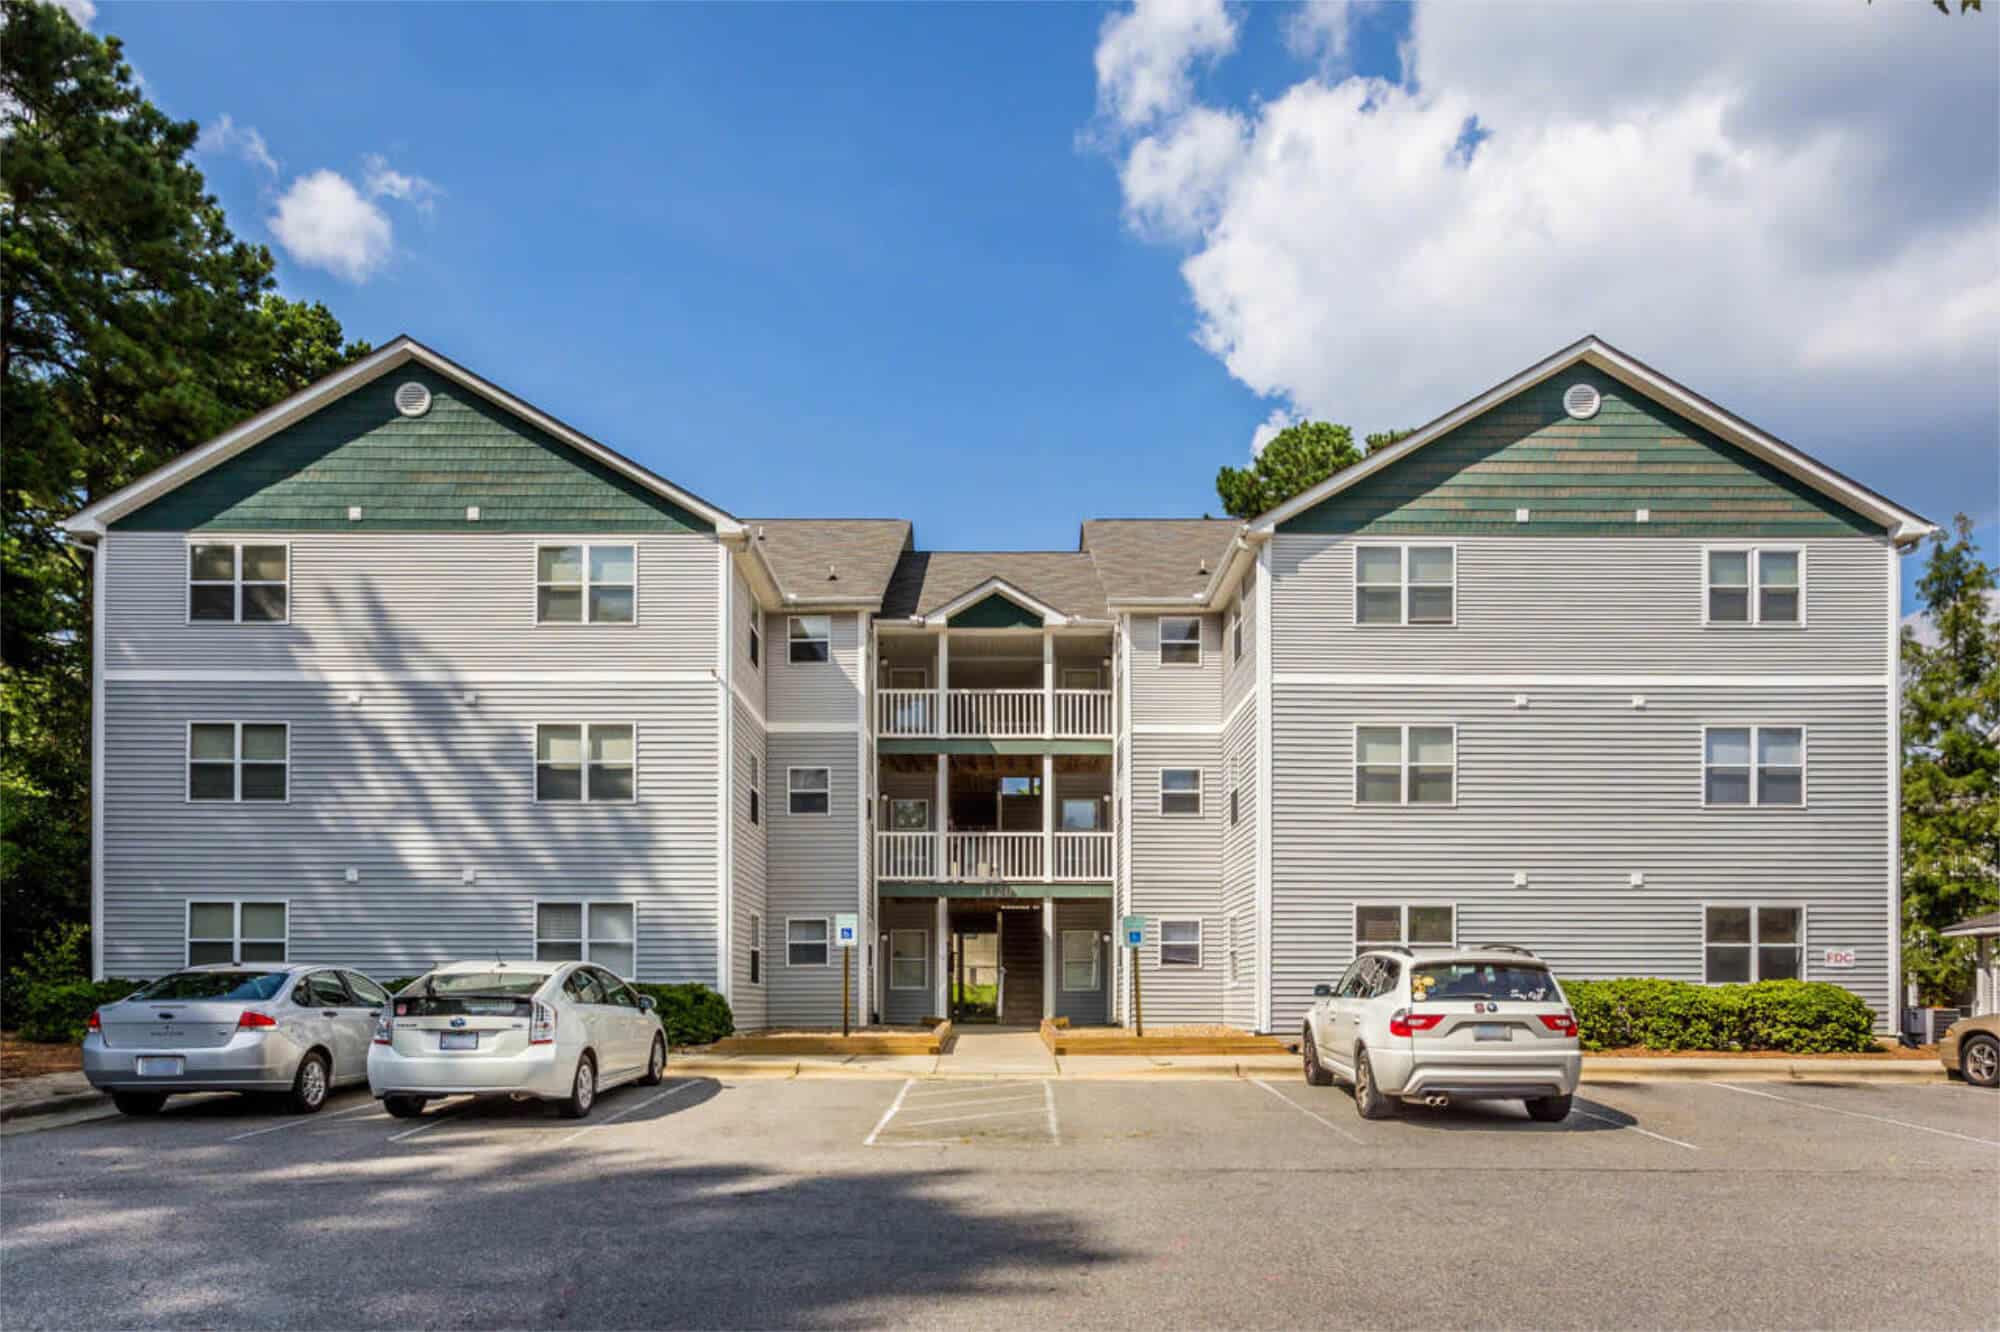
{"x": 928, "y": 580}
{"x": 829, "y": 560}
{"x": 1974, "y": 926}
{"x": 1158, "y": 559}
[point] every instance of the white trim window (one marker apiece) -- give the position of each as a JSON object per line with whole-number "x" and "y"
{"x": 1405, "y": 584}
{"x": 1741, "y": 944}
{"x": 239, "y": 582}
{"x": 586, "y": 763}
{"x": 239, "y": 761}
{"x": 756, "y": 948}
{"x": 1180, "y": 640}
{"x": 1407, "y": 923}
{"x": 1235, "y": 762}
{"x": 1238, "y": 926}
{"x": 237, "y": 930}
{"x": 756, "y": 790}
{"x": 1180, "y": 941}
{"x": 1406, "y": 765}
{"x": 909, "y": 959}
{"x": 1236, "y": 632}
{"x": 586, "y": 583}
{"x": 909, "y": 815}
{"x": 756, "y": 642}
{"x": 808, "y": 639}
{"x": 1079, "y": 961}
{"x": 1754, "y": 585}
{"x": 605, "y": 934}
{"x": 808, "y": 941}
{"x": 1180, "y": 792}
{"x": 809, "y": 790}
{"x": 1753, "y": 765}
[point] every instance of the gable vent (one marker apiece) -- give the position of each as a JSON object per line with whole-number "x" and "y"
{"x": 1581, "y": 401}
{"x": 412, "y": 398}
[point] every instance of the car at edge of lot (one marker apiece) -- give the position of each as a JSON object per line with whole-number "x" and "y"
{"x": 549, "y": 1031}
{"x": 1972, "y": 1049}
{"x": 297, "y": 1029}
{"x": 1443, "y": 1023}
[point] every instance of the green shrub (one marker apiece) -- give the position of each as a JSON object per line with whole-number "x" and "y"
{"x": 693, "y": 1014}
{"x": 57, "y": 1011}
{"x": 58, "y": 954}
{"x": 1797, "y": 1017}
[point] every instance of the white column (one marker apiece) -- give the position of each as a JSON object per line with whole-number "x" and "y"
{"x": 1048, "y": 957}
{"x": 943, "y": 931}
{"x": 943, "y": 719}
{"x": 1048, "y": 682}
{"x": 942, "y": 817}
{"x": 1048, "y": 817}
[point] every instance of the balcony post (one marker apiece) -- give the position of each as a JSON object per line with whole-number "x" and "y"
{"x": 1049, "y": 962}
{"x": 943, "y": 958}
{"x": 1048, "y": 681}
{"x": 1048, "y": 817}
{"x": 942, "y": 816}
{"x": 941, "y": 722}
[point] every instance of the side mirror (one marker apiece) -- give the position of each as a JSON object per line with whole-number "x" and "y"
{"x": 1322, "y": 991}
{"x": 648, "y": 1003}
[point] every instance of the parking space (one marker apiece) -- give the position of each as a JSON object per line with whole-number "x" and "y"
{"x": 1012, "y": 1112}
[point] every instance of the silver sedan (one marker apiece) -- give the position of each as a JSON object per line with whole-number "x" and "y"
{"x": 300, "y": 1030}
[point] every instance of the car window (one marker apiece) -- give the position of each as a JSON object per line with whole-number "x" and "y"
{"x": 250, "y": 986}
{"x": 616, "y": 991}
{"x": 329, "y": 989}
{"x": 1483, "y": 980}
{"x": 583, "y": 987}
{"x": 1346, "y": 978}
{"x": 365, "y": 991}
{"x": 1387, "y": 969}
{"x": 1360, "y": 981}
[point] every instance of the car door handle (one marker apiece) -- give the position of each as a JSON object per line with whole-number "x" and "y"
{"x": 329, "y": 1012}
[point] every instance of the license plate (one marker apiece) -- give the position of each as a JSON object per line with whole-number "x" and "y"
{"x": 458, "y": 1040}
{"x": 1492, "y": 1031}
{"x": 157, "y": 1066}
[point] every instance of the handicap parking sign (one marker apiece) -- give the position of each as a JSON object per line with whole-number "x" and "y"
{"x": 1134, "y": 928}
{"x": 846, "y": 929}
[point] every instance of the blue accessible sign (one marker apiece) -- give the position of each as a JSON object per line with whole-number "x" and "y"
{"x": 1134, "y": 929}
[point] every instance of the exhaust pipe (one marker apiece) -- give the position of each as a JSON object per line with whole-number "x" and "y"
{"x": 1436, "y": 1100}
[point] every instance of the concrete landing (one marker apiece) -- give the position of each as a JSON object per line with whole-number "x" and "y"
{"x": 1000, "y": 1050}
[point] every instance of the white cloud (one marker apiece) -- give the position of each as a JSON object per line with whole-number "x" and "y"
{"x": 1318, "y": 31}
{"x": 1794, "y": 209}
{"x": 1273, "y": 426}
{"x": 383, "y": 183}
{"x": 244, "y": 141}
{"x": 324, "y": 222}
{"x": 83, "y": 11}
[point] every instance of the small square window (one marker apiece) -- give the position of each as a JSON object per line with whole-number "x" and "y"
{"x": 1754, "y": 765}
{"x": 1180, "y": 943}
{"x": 239, "y": 761}
{"x": 586, "y": 584}
{"x": 239, "y": 584}
{"x": 1412, "y": 923}
{"x": 807, "y": 942}
{"x": 581, "y": 763}
{"x": 1180, "y": 791}
{"x": 237, "y": 931}
{"x": 1405, "y": 765}
{"x": 1180, "y": 640}
{"x": 1741, "y": 944}
{"x": 810, "y": 790}
{"x": 809, "y": 638}
{"x": 1395, "y": 584}
{"x": 1756, "y": 585}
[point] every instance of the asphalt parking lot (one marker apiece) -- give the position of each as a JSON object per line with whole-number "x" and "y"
{"x": 819, "y": 1203}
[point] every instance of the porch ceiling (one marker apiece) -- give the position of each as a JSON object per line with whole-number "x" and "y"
{"x": 922, "y": 745}
{"x": 1002, "y": 765}
{"x": 999, "y": 891}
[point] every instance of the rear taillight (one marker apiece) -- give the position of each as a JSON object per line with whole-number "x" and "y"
{"x": 542, "y": 1026}
{"x": 252, "y": 1019}
{"x": 385, "y": 1027}
{"x": 1405, "y": 1023}
{"x": 1562, "y": 1024}
{"x": 95, "y": 1023}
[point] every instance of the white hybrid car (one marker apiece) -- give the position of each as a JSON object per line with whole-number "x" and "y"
{"x": 1442, "y": 1024}
{"x": 551, "y": 1031}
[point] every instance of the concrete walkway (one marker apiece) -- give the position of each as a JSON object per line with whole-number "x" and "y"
{"x": 998, "y": 1050}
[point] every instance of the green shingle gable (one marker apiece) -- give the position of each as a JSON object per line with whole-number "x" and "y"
{"x": 412, "y": 474}
{"x": 994, "y": 611}
{"x": 1580, "y": 478}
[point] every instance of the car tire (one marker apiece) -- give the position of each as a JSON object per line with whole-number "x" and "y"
{"x": 1316, "y": 1072}
{"x": 138, "y": 1104}
{"x": 1979, "y": 1060}
{"x": 1548, "y": 1109}
{"x": 404, "y": 1107}
{"x": 656, "y": 1064}
{"x": 309, "y": 1085}
{"x": 582, "y": 1090}
{"x": 1368, "y": 1098}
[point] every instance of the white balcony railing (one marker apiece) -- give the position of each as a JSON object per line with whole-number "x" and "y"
{"x": 970, "y": 857}
{"x": 993, "y": 712}
{"x": 1081, "y": 855}
{"x": 906, "y": 712}
{"x": 1083, "y": 712}
{"x": 974, "y": 857}
{"x": 906, "y": 855}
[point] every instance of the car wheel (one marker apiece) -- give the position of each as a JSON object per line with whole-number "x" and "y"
{"x": 582, "y": 1091}
{"x": 1979, "y": 1060}
{"x": 309, "y": 1085}
{"x": 656, "y": 1064}
{"x": 1316, "y": 1073}
{"x": 1368, "y": 1098}
{"x": 138, "y": 1103}
{"x": 403, "y": 1107}
{"x": 1548, "y": 1109}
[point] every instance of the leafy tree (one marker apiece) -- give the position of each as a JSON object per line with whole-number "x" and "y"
{"x": 133, "y": 325}
{"x": 1298, "y": 458}
{"x": 1951, "y": 764}
{"x": 1382, "y": 439}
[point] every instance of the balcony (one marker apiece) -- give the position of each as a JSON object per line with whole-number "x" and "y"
{"x": 999, "y": 713}
{"x": 995, "y": 857}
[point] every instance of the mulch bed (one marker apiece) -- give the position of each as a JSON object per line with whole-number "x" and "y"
{"x": 28, "y": 1059}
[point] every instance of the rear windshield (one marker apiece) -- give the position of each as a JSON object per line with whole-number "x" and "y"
{"x": 249, "y": 986}
{"x": 479, "y": 993}
{"x": 1482, "y": 980}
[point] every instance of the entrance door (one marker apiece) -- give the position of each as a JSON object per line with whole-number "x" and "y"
{"x": 975, "y": 970}
{"x": 1021, "y": 959}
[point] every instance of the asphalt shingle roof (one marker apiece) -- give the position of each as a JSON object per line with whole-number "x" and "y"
{"x": 831, "y": 557}
{"x": 1143, "y": 559}
{"x": 927, "y": 579}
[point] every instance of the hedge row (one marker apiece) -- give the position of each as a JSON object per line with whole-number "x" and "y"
{"x": 1798, "y": 1017}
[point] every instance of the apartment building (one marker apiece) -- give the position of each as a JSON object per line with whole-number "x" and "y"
{"x": 405, "y": 669}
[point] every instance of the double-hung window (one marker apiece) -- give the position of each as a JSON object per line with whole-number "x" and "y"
{"x": 1753, "y": 943}
{"x": 1753, "y": 765}
{"x": 756, "y": 641}
{"x": 239, "y": 761}
{"x": 601, "y": 932}
{"x": 809, "y": 790}
{"x": 586, "y": 584}
{"x": 1180, "y": 791}
{"x": 1404, "y": 923}
{"x": 806, "y": 942}
{"x": 809, "y": 638}
{"x": 1180, "y": 942}
{"x": 1756, "y": 585}
{"x": 756, "y": 790}
{"x": 586, "y": 763}
{"x": 1405, "y": 584}
{"x": 756, "y": 949}
{"x": 1236, "y": 632}
{"x": 1079, "y": 960}
{"x": 909, "y": 959}
{"x": 236, "y": 931}
{"x": 233, "y": 583}
{"x": 1405, "y": 765}
{"x": 1180, "y": 640}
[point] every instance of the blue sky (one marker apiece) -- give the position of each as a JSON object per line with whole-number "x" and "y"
{"x": 1001, "y": 268}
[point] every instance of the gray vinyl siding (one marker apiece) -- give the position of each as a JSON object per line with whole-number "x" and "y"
{"x": 748, "y": 860}
{"x": 1600, "y": 604}
{"x": 411, "y": 601}
{"x": 908, "y": 1007}
{"x": 813, "y": 869}
{"x": 1239, "y": 678}
{"x": 743, "y": 612}
{"x": 1176, "y": 871}
{"x": 1084, "y": 1008}
{"x": 1579, "y": 790}
{"x": 803, "y": 692}
{"x": 411, "y": 786}
{"x": 1175, "y": 694}
{"x": 1239, "y": 869}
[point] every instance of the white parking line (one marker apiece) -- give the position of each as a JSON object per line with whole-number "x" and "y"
{"x": 890, "y": 1113}
{"x": 1858, "y": 1114}
{"x": 430, "y": 1123}
{"x": 1307, "y": 1113}
{"x": 302, "y": 1121}
{"x": 1024, "y": 1094}
{"x": 1604, "y": 1119}
{"x": 960, "y": 1119}
{"x": 1049, "y": 1096}
{"x": 985, "y": 1090}
{"x": 609, "y": 1120}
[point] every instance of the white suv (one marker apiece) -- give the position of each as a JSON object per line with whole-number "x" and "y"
{"x": 1445, "y": 1024}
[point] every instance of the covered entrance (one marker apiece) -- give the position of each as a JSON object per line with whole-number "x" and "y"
{"x": 996, "y": 956}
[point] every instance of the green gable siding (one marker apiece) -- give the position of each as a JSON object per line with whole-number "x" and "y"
{"x": 412, "y": 474}
{"x": 1580, "y": 478}
{"x": 995, "y": 612}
